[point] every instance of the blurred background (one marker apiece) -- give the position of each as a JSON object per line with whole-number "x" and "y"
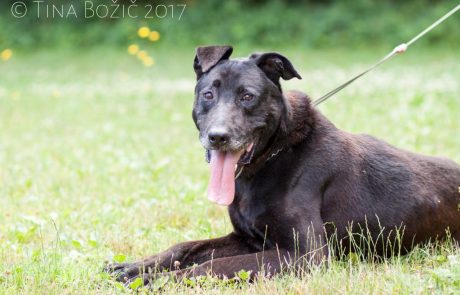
{"x": 288, "y": 23}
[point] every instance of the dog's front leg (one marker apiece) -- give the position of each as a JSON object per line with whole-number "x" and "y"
{"x": 267, "y": 264}
{"x": 309, "y": 248}
{"x": 183, "y": 255}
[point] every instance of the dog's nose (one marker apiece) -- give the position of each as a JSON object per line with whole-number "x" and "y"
{"x": 218, "y": 138}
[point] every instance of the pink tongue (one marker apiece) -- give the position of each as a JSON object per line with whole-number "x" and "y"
{"x": 221, "y": 189}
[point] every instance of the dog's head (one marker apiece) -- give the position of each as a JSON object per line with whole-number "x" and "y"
{"x": 238, "y": 106}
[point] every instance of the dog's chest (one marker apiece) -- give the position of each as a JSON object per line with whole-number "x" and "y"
{"x": 246, "y": 220}
{"x": 251, "y": 213}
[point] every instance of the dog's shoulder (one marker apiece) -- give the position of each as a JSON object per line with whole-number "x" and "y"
{"x": 297, "y": 100}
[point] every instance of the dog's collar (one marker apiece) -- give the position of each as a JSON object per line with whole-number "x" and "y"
{"x": 241, "y": 168}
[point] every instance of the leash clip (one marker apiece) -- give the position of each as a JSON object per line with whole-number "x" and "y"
{"x": 401, "y": 48}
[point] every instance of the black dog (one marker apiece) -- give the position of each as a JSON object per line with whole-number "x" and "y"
{"x": 300, "y": 181}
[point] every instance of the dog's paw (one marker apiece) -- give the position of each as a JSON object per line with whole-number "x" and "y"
{"x": 125, "y": 272}
{"x": 134, "y": 277}
{"x": 112, "y": 267}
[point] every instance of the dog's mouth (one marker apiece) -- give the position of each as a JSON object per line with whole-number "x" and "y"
{"x": 221, "y": 188}
{"x": 245, "y": 158}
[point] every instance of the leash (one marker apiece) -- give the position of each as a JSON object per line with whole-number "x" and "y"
{"x": 398, "y": 49}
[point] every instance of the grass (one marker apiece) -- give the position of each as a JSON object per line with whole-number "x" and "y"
{"x": 99, "y": 160}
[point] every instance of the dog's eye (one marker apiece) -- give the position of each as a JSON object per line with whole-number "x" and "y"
{"x": 247, "y": 97}
{"x": 208, "y": 95}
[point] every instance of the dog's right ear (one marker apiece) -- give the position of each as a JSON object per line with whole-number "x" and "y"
{"x": 208, "y": 56}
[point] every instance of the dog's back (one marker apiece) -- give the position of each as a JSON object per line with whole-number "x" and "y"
{"x": 377, "y": 188}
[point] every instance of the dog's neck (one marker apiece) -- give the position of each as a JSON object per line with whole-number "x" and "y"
{"x": 299, "y": 120}
{"x": 295, "y": 125}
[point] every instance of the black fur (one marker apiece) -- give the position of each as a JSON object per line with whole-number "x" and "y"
{"x": 307, "y": 183}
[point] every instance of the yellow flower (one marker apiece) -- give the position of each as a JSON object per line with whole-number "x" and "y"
{"x": 154, "y": 36}
{"x": 6, "y": 54}
{"x": 133, "y": 49}
{"x": 142, "y": 54}
{"x": 148, "y": 61}
{"x": 143, "y": 32}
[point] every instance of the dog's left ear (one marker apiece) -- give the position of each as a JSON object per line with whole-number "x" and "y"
{"x": 275, "y": 66}
{"x": 208, "y": 56}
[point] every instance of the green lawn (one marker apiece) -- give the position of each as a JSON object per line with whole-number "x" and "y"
{"x": 100, "y": 160}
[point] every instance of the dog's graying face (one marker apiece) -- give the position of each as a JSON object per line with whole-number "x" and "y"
{"x": 238, "y": 106}
{"x": 238, "y": 103}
